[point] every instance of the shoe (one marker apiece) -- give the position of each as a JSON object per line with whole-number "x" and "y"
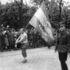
{"x": 24, "y": 61}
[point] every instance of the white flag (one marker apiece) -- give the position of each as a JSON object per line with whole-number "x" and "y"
{"x": 40, "y": 21}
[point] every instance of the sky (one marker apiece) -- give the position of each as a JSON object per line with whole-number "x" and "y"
{"x": 5, "y": 1}
{"x": 29, "y": 2}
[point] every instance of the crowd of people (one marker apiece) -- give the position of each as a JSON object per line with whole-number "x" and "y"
{"x": 8, "y": 37}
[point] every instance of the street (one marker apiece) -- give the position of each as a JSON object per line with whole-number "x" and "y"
{"x": 38, "y": 59}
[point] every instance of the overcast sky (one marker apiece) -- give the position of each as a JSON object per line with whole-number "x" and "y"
{"x": 5, "y": 1}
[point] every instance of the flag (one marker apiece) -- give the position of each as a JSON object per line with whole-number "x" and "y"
{"x": 40, "y": 21}
{"x": 41, "y": 16}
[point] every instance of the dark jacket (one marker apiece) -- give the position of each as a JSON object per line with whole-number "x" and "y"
{"x": 63, "y": 42}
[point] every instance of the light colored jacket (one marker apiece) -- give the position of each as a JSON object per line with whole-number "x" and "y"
{"x": 22, "y": 38}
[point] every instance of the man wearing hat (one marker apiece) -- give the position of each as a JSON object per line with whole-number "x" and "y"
{"x": 63, "y": 46}
{"x": 23, "y": 40}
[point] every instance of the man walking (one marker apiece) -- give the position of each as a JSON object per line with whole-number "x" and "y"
{"x": 23, "y": 40}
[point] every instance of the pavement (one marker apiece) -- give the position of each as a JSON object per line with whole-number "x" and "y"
{"x": 37, "y": 59}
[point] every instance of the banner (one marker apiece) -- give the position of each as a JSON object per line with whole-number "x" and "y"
{"x": 40, "y": 22}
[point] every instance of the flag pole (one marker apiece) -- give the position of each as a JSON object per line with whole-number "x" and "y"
{"x": 26, "y": 26}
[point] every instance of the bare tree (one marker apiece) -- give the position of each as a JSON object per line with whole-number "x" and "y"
{"x": 0, "y": 13}
{"x": 19, "y": 3}
{"x": 60, "y": 8}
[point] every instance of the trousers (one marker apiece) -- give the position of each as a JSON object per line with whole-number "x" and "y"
{"x": 24, "y": 47}
{"x": 63, "y": 58}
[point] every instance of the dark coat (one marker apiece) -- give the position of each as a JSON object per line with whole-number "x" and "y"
{"x": 11, "y": 38}
{"x": 63, "y": 42}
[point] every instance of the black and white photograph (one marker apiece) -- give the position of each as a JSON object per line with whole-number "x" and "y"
{"x": 34, "y": 34}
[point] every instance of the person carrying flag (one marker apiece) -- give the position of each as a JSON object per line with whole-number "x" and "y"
{"x": 23, "y": 40}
